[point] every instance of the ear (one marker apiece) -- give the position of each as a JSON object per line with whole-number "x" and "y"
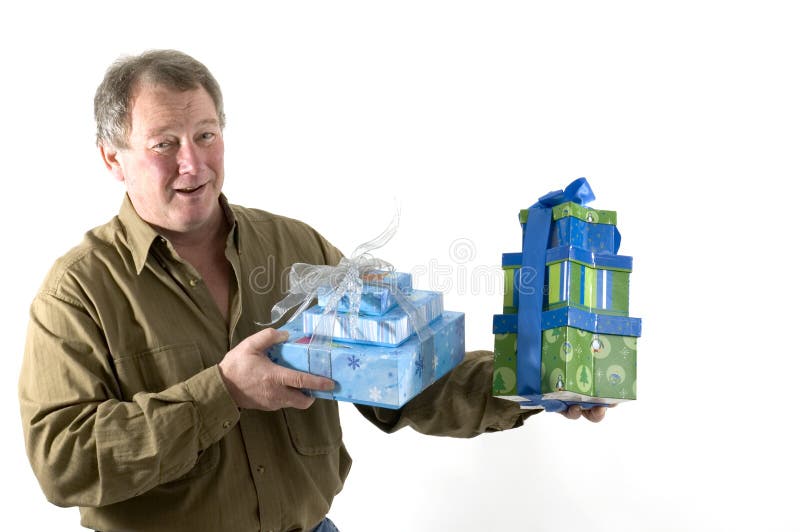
{"x": 110, "y": 157}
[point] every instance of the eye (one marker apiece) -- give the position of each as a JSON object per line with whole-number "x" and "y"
{"x": 208, "y": 136}
{"x": 162, "y": 146}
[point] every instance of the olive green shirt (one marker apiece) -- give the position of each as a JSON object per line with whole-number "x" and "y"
{"x": 125, "y": 413}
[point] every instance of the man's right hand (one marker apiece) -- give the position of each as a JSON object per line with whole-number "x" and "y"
{"x": 255, "y": 382}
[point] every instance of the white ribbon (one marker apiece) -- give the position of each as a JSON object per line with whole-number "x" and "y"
{"x": 344, "y": 279}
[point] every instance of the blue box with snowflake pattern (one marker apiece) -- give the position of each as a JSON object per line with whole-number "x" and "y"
{"x": 373, "y": 375}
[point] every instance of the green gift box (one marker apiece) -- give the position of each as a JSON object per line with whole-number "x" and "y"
{"x": 576, "y": 278}
{"x": 578, "y": 365}
{"x": 587, "y": 214}
{"x": 585, "y": 357}
{"x": 581, "y": 212}
{"x": 504, "y": 382}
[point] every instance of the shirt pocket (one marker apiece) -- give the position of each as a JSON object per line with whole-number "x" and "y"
{"x": 157, "y": 369}
{"x": 316, "y": 430}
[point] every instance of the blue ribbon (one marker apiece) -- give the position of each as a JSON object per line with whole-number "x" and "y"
{"x": 531, "y": 281}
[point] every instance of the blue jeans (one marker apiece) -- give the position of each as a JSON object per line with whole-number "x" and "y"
{"x": 326, "y": 526}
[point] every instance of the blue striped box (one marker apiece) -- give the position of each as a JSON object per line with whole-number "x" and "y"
{"x": 391, "y": 329}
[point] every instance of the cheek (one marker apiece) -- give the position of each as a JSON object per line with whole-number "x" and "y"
{"x": 217, "y": 156}
{"x": 159, "y": 170}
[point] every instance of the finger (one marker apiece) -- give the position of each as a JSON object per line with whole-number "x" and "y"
{"x": 266, "y": 338}
{"x": 573, "y": 412}
{"x": 302, "y": 380}
{"x": 595, "y": 414}
{"x": 297, "y": 399}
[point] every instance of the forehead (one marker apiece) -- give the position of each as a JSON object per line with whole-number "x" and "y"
{"x": 156, "y": 107}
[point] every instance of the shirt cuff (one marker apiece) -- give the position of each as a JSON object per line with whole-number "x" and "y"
{"x": 217, "y": 409}
{"x": 502, "y": 414}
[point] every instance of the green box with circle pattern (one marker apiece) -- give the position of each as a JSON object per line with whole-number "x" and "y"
{"x": 578, "y": 364}
{"x": 584, "y": 357}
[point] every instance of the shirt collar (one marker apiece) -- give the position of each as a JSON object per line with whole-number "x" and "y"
{"x": 233, "y": 234}
{"x": 141, "y": 235}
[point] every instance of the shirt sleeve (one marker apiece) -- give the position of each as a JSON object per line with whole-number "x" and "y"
{"x": 86, "y": 446}
{"x": 459, "y": 405}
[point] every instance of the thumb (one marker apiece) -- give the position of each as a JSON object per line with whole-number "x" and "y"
{"x": 263, "y": 339}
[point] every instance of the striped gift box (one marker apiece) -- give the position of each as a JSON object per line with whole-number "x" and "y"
{"x": 511, "y": 263}
{"x": 389, "y": 330}
{"x": 574, "y": 277}
{"x": 581, "y": 279}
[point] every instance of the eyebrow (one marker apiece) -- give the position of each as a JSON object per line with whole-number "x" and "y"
{"x": 201, "y": 123}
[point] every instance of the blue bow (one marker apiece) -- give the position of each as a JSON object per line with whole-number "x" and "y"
{"x": 578, "y": 192}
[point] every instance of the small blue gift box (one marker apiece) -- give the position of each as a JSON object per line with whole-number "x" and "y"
{"x": 376, "y": 294}
{"x": 390, "y": 329}
{"x": 595, "y": 237}
{"x": 581, "y": 227}
{"x": 372, "y": 375}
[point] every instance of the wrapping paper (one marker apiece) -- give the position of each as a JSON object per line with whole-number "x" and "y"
{"x": 380, "y": 376}
{"x": 567, "y": 268}
{"x": 377, "y": 295}
{"x": 390, "y": 329}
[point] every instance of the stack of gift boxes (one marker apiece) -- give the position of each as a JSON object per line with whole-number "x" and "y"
{"x": 588, "y": 342}
{"x": 381, "y": 356}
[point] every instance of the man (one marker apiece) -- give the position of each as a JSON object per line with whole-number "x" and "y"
{"x": 145, "y": 394}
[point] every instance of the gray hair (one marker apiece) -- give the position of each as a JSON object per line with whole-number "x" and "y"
{"x": 168, "y": 68}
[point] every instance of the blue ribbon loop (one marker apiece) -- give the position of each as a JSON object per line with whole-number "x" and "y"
{"x": 531, "y": 281}
{"x": 578, "y": 192}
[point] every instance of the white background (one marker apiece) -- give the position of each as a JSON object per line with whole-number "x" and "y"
{"x": 684, "y": 116}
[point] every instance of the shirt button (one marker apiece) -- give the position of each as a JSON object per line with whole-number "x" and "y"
{"x": 193, "y": 282}
{"x": 226, "y": 424}
{"x": 260, "y": 469}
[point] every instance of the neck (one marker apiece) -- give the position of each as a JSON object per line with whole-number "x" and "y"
{"x": 205, "y": 237}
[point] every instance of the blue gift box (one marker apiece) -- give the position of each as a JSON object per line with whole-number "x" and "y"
{"x": 572, "y": 317}
{"x": 376, "y": 294}
{"x": 588, "y": 234}
{"x": 372, "y": 375}
{"x": 390, "y": 329}
{"x": 594, "y": 237}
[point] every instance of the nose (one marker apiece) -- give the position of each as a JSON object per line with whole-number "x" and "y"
{"x": 188, "y": 159}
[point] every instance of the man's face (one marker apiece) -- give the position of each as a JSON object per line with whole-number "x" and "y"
{"x": 173, "y": 168}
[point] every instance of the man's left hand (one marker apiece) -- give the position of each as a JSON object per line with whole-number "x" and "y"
{"x": 594, "y": 414}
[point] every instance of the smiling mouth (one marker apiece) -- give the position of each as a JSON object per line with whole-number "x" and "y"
{"x": 189, "y": 190}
